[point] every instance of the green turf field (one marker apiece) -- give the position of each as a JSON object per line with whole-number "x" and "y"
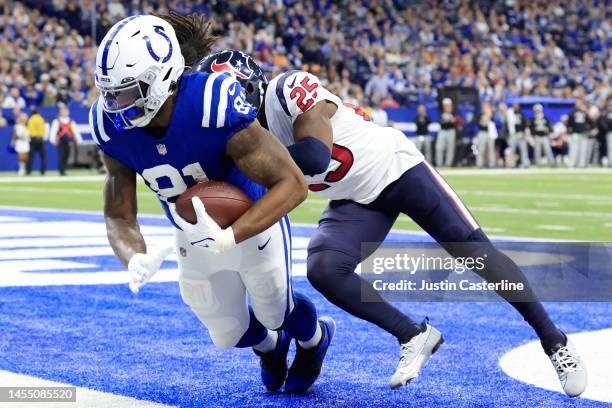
{"x": 559, "y": 204}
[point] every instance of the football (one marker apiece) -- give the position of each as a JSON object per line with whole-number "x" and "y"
{"x": 223, "y": 202}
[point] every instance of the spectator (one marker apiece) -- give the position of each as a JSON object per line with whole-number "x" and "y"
{"x": 517, "y": 123}
{"x": 423, "y": 138}
{"x": 605, "y": 129}
{"x": 13, "y": 116}
{"x": 378, "y": 84}
{"x": 377, "y": 114}
{"x": 559, "y": 140}
{"x": 595, "y": 150}
{"x": 447, "y": 136}
{"x": 580, "y": 127}
{"x": 13, "y": 100}
{"x": 64, "y": 134}
{"x": 116, "y": 10}
{"x": 38, "y": 134}
{"x": 541, "y": 130}
{"x": 490, "y": 45}
{"x": 487, "y": 133}
{"x": 21, "y": 142}
{"x": 503, "y": 49}
{"x": 501, "y": 122}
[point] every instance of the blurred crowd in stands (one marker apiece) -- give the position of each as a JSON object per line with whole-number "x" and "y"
{"x": 375, "y": 53}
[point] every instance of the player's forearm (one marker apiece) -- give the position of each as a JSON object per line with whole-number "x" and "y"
{"x": 278, "y": 201}
{"x": 125, "y": 238}
{"x": 120, "y": 209}
{"x": 261, "y": 157}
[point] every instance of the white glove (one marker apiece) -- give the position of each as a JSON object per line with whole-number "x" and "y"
{"x": 142, "y": 267}
{"x": 205, "y": 233}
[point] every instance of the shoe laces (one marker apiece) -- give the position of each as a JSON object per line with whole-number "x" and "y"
{"x": 407, "y": 351}
{"x": 564, "y": 361}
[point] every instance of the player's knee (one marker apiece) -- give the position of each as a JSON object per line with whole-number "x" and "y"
{"x": 268, "y": 293}
{"x": 226, "y": 339}
{"x": 225, "y": 331}
{"x": 315, "y": 272}
{"x": 271, "y": 319}
{"x": 323, "y": 265}
{"x": 319, "y": 267}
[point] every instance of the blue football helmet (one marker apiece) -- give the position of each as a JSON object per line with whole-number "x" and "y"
{"x": 243, "y": 68}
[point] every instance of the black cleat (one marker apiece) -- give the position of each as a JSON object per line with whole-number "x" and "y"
{"x": 274, "y": 363}
{"x": 307, "y": 364}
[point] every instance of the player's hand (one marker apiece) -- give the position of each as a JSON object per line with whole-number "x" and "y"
{"x": 205, "y": 233}
{"x": 142, "y": 267}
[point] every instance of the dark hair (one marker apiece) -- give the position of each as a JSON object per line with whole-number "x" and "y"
{"x": 194, "y": 35}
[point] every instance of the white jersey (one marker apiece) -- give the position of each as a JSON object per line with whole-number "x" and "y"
{"x": 366, "y": 157}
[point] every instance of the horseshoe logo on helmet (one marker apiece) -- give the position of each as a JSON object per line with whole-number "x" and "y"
{"x": 159, "y": 30}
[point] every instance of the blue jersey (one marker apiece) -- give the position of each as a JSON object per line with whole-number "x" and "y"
{"x": 209, "y": 110}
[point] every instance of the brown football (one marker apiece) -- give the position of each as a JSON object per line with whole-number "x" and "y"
{"x": 223, "y": 202}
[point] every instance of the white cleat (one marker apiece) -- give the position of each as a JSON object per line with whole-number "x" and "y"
{"x": 414, "y": 354}
{"x": 570, "y": 369}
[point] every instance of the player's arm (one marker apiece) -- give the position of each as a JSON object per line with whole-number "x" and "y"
{"x": 313, "y": 135}
{"x": 262, "y": 158}
{"x": 310, "y": 112}
{"x": 120, "y": 211}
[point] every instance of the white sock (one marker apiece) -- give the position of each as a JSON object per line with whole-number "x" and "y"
{"x": 268, "y": 343}
{"x": 21, "y": 168}
{"x": 314, "y": 340}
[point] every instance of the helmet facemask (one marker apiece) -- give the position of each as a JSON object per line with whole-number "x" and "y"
{"x": 130, "y": 104}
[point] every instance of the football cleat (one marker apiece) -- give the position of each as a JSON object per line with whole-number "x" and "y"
{"x": 570, "y": 369}
{"x": 306, "y": 367}
{"x": 274, "y": 363}
{"x": 414, "y": 354}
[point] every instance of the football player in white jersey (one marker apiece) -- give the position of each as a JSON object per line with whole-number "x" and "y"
{"x": 371, "y": 174}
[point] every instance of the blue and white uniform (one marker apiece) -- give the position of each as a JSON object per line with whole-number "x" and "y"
{"x": 209, "y": 110}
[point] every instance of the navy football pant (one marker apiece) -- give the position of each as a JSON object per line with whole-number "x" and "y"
{"x": 423, "y": 195}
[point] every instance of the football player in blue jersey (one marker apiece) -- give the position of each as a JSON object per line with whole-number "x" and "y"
{"x": 175, "y": 128}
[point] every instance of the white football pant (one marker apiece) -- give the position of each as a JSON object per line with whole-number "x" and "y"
{"x": 215, "y": 286}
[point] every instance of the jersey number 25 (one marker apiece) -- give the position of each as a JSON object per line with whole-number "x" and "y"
{"x": 301, "y": 92}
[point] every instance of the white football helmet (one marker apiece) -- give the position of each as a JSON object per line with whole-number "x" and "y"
{"x": 138, "y": 64}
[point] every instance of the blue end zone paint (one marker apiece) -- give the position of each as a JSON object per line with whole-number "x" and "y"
{"x": 152, "y": 347}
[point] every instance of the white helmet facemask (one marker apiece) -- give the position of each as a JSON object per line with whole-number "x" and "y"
{"x": 137, "y": 68}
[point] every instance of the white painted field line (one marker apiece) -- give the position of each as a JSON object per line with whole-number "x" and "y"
{"x": 547, "y": 204}
{"x": 23, "y": 189}
{"x": 63, "y": 211}
{"x": 298, "y": 224}
{"x": 532, "y": 211}
{"x": 550, "y": 227}
{"x": 518, "y": 172}
{"x": 50, "y": 179}
{"x": 528, "y": 364}
{"x": 520, "y": 194}
{"x": 496, "y": 205}
{"x": 84, "y": 397}
{"x": 494, "y": 230}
